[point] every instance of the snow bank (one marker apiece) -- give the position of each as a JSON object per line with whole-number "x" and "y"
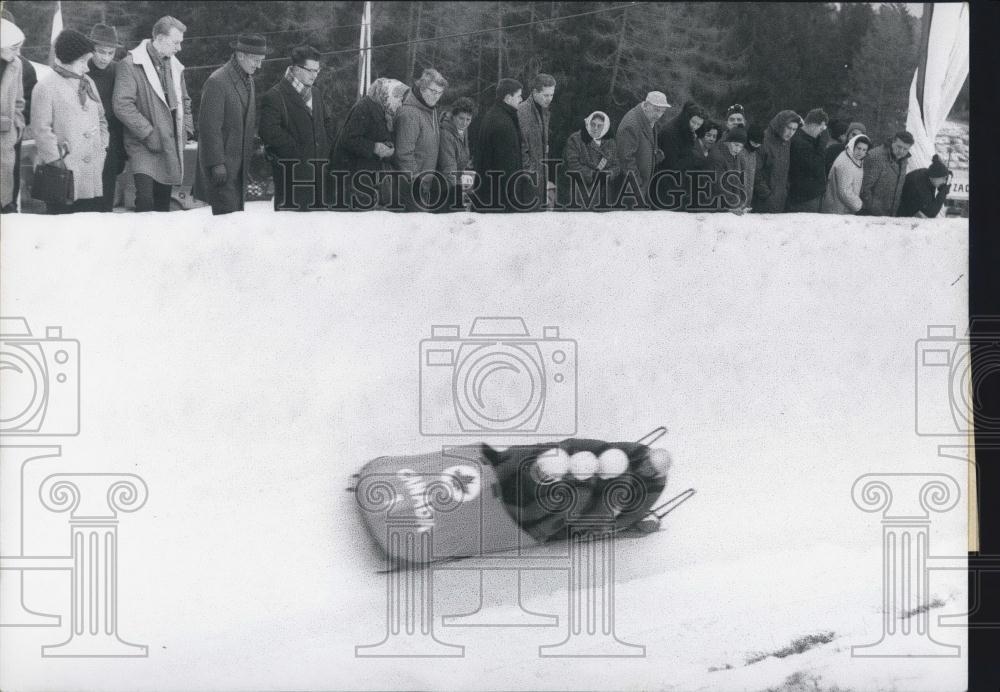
{"x": 245, "y": 366}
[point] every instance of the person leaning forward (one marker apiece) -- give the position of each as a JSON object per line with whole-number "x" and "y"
{"x": 638, "y": 153}
{"x": 101, "y": 69}
{"x": 226, "y": 127}
{"x": 152, "y": 103}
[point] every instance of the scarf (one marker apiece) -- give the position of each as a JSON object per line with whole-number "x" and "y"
{"x": 163, "y": 73}
{"x": 419, "y": 96}
{"x": 849, "y": 149}
{"x": 86, "y": 87}
{"x": 247, "y": 79}
{"x": 304, "y": 90}
{"x": 604, "y": 130}
{"x": 380, "y": 92}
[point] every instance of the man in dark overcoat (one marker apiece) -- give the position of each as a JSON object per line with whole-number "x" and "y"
{"x": 101, "y": 69}
{"x": 226, "y": 127}
{"x": 296, "y": 128}
{"x": 498, "y": 155}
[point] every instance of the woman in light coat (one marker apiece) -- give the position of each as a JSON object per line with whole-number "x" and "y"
{"x": 11, "y": 110}
{"x": 66, "y": 112}
{"x": 843, "y": 184}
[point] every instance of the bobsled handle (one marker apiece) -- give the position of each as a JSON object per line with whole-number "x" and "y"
{"x": 652, "y": 436}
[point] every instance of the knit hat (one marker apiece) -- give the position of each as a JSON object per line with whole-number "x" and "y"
{"x": 937, "y": 169}
{"x": 735, "y": 108}
{"x": 71, "y": 45}
{"x": 104, "y": 35}
{"x": 254, "y": 44}
{"x": 857, "y": 126}
{"x": 10, "y": 35}
{"x": 755, "y": 133}
{"x": 737, "y": 134}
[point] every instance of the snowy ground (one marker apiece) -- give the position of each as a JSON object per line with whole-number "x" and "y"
{"x": 245, "y": 366}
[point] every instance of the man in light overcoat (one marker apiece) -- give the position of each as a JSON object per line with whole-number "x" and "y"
{"x": 152, "y": 103}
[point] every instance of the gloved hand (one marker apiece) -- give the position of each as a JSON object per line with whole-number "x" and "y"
{"x": 944, "y": 190}
{"x": 219, "y": 174}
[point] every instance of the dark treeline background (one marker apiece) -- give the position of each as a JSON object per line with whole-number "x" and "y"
{"x": 854, "y": 60}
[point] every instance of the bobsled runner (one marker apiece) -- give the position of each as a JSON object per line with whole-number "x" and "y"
{"x": 470, "y": 500}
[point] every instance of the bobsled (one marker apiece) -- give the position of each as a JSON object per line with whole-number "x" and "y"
{"x": 474, "y": 499}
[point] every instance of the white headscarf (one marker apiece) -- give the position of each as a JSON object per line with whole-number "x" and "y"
{"x": 10, "y": 35}
{"x": 604, "y": 130}
{"x": 850, "y": 148}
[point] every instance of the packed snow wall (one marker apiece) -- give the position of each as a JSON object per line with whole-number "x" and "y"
{"x": 243, "y": 367}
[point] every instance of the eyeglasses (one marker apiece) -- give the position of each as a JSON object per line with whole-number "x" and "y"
{"x": 435, "y": 92}
{"x": 309, "y": 70}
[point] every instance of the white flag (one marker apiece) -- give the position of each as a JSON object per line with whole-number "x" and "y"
{"x": 365, "y": 51}
{"x": 57, "y": 27}
{"x": 57, "y": 23}
{"x": 940, "y": 74}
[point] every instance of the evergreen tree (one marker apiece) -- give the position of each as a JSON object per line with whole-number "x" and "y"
{"x": 879, "y": 81}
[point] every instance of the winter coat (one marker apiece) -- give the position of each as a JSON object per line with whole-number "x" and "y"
{"x": 354, "y": 150}
{"x": 831, "y": 153}
{"x": 679, "y": 143}
{"x": 534, "y": 123}
{"x": 293, "y": 132}
{"x": 771, "y": 179}
{"x": 142, "y": 107}
{"x": 843, "y": 187}
{"x": 749, "y": 162}
{"x": 636, "y": 147}
{"x": 59, "y": 118}
{"x": 11, "y": 126}
{"x": 806, "y": 167}
{"x": 29, "y": 78}
{"x": 729, "y": 187}
{"x": 418, "y": 135}
{"x": 226, "y": 128}
{"x": 919, "y": 195}
{"x": 453, "y": 155}
{"x": 498, "y": 149}
{"x": 582, "y": 155}
{"x": 882, "y": 188}
{"x": 105, "y": 81}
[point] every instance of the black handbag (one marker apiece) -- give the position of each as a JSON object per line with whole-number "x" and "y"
{"x": 53, "y": 182}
